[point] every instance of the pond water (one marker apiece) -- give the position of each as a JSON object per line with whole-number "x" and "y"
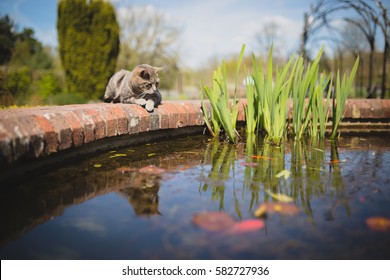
{"x": 110, "y": 206}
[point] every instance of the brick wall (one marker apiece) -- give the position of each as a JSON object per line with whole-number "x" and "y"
{"x": 27, "y": 133}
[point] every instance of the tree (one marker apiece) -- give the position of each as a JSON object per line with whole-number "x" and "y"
{"x": 7, "y": 38}
{"x": 88, "y": 35}
{"x": 148, "y": 37}
{"x": 370, "y": 14}
{"x": 267, "y": 38}
{"x": 28, "y": 51}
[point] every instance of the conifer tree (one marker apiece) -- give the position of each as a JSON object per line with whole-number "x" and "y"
{"x": 88, "y": 35}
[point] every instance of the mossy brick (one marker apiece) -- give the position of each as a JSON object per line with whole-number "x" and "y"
{"x": 132, "y": 118}
{"x": 37, "y": 141}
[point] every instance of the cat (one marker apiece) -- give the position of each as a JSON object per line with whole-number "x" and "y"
{"x": 139, "y": 86}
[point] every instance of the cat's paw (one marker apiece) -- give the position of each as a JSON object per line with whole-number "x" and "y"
{"x": 141, "y": 102}
{"x": 149, "y": 105}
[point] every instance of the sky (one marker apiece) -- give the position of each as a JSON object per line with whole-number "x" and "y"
{"x": 209, "y": 28}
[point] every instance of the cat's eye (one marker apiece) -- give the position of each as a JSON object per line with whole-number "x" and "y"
{"x": 157, "y": 83}
{"x": 148, "y": 86}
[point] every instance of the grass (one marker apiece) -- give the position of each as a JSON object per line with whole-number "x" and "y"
{"x": 267, "y": 94}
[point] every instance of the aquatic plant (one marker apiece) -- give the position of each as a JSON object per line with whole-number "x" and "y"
{"x": 224, "y": 111}
{"x": 267, "y": 95}
{"x": 340, "y": 97}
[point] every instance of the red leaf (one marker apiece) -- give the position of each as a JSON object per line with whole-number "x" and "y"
{"x": 378, "y": 223}
{"x": 247, "y": 226}
{"x": 213, "y": 221}
{"x": 152, "y": 170}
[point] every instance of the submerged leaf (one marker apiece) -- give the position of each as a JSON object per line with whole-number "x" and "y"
{"x": 118, "y": 155}
{"x": 97, "y": 165}
{"x": 152, "y": 170}
{"x": 247, "y": 226}
{"x": 276, "y": 207}
{"x": 284, "y": 173}
{"x": 279, "y": 196}
{"x": 213, "y": 221}
{"x": 251, "y": 164}
{"x": 378, "y": 223}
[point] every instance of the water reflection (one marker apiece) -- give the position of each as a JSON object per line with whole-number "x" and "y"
{"x": 315, "y": 166}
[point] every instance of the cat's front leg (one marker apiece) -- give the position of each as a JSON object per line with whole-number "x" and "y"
{"x": 149, "y": 106}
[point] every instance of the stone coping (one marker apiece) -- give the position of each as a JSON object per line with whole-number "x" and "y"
{"x": 30, "y": 133}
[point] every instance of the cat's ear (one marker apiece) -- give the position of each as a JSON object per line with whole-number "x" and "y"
{"x": 157, "y": 69}
{"x": 144, "y": 75}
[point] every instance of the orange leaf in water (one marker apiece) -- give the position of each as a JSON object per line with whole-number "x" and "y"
{"x": 247, "y": 226}
{"x": 152, "y": 170}
{"x": 251, "y": 164}
{"x": 276, "y": 207}
{"x": 262, "y": 157}
{"x": 378, "y": 223}
{"x": 213, "y": 221}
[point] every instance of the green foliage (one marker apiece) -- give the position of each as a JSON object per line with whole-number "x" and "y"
{"x": 48, "y": 85}
{"x": 267, "y": 95}
{"x": 7, "y": 38}
{"x": 224, "y": 111}
{"x": 88, "y": 35}
{"x": 18, "y": 81}
{"x": 272, "y": 92}
{"x": 343, "y": 88}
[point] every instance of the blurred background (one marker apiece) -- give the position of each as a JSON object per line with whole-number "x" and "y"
{"x": 63, "y": 52}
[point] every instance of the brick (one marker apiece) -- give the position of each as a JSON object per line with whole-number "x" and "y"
{"x": 154, "y": 122}
{"x": 61, "y": 128}
{"x": 76, "y": 127}
{"x": 49, "y": 135}
{"x": 88, "y": 125}
{"x": 163, "y": 117}
{"x": 191, "y": 112}
{"x": 173, "y": 115}
{"x": 133, "y": 119}
{"x": 182, "y": 115}
{"x": 36, "y": 136}
{"x": 142, "y": 115}
{"x": 110, "y": 121}
{"x": 121, "y": 118}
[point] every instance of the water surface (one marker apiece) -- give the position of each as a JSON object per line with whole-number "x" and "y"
{"x": 103, "y": 207}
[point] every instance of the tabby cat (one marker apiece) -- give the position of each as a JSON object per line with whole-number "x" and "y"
{"x": 139, "y": 86}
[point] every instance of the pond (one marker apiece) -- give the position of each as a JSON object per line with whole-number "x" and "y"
{"x": 197, "y": 198}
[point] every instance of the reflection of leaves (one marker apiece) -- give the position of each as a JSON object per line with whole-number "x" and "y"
{"x": 118, "y": 155}
{"x": 276, "y": 207}
{"x": 152, "y": 170}
{"x": 247, "y": 226}
{"x": 378, "y": 223}
{"x": 279, "y": 196}
{"x": 250, "y": 164}
{"x": 262, "y": 157}
{"x": 284, "y": 173}
{"x": 213, "y": 221}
